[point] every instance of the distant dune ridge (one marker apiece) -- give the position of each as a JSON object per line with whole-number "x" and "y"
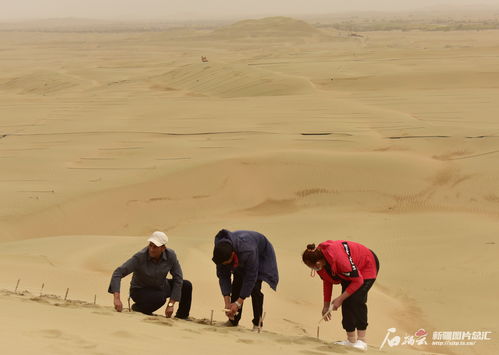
{"x": 40, "y": 82}
{"x": 268, "y": 27}
{"x": 232, "y": 80}
{"x": 205, "y": 79}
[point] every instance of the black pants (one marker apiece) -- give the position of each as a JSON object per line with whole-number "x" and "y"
{"x": 256, "y": 298}
{"x": 148, "y": 300}
{"x": 354, "y": 308}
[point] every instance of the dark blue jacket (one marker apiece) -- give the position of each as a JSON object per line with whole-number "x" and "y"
{"x": 256, "y": 259}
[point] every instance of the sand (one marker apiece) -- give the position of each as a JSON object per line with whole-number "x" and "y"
{"x": 389, "y": 139}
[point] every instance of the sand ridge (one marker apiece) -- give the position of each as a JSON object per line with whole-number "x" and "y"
{"x": 228, "y": 80}
{"x": 268, "y": 28}
{"x": 197, "y": 334}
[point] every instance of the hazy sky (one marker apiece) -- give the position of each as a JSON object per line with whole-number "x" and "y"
{"x": 183, "y": 9}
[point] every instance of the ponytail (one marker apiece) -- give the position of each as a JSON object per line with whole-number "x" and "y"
{"x": 311, "y": 255}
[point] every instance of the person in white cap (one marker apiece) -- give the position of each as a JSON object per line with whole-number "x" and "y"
{"x": 149, "y": 288}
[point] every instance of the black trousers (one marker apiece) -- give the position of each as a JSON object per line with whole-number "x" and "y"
{"x": 148, "y": 300}
{"x": 256, "y": 298}
{"x": 354, "y": 308}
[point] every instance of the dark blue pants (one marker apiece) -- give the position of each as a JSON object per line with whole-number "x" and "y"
{"x": 148, "y": 300}
{"x": 256, "y": 298}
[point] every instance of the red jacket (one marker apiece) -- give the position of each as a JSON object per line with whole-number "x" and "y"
{"x": 356, "y": 269}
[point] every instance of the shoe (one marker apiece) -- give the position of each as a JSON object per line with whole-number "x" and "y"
{"x": 230, "y": 323}
{"x": 361, "y": 345}
{"x": 135, "y": 308}
{"x": 255, "y": 328}
{"x": 345, "y": 343}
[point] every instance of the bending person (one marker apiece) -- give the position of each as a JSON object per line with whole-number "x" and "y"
{"x": 150, "y": 288}
{"x": 250, "y": 258}
{"x": 356, "y": 268}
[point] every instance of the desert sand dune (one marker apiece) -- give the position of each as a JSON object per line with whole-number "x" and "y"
{"x": 270, "y": 27}
{"x": 41, "y": 83}
{"x": 385, "y": 138}
{"x": 225, "y": 80}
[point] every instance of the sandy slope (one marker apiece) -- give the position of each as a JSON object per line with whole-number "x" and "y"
{"x": 131, "y": 333}
{"x": 231, "y": 81}
{"x": 386, "y": 139}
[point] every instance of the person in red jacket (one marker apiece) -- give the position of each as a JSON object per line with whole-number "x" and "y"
{"x": 355, "y": 267}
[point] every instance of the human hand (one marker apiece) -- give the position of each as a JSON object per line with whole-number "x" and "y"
{"x": 118, "y": 306}
{"x": 325, "y": 312}
{"x": 337, "y": 302}
{"x": 168, "y": 311}
{"x": 227, "y": 309}
{"x": 233, "y": 310}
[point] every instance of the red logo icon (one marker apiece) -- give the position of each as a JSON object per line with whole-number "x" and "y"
{"x": 421, "y": 333}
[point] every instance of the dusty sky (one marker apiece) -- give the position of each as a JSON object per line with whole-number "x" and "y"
{"x": 185, "y": 9}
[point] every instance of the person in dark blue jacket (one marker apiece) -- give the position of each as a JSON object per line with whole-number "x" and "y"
{"x": 250, "y": 258}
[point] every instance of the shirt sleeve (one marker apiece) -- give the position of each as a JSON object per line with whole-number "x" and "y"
{"x": 223, "y": 274}
{"x": 127, "y": 268}
{"x": 178, "y": 279}
{"x": 344, "y": 267}
{"x": 328, "y": 290}
{"x": 355, "y": 283}
{"x": 250, "y": 261}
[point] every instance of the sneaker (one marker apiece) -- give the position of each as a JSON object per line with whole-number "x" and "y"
{"x": 361, "y": 345}
{"x": 344, "y": 343}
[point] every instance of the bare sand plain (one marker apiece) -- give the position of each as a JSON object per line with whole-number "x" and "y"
{"x": 390, "y": 139}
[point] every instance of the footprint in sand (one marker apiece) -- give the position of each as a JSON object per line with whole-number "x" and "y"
{"x": 336, "y": 348}
{"x": 104, "y": 313}
{"x": 65, "y": 339}
{"x": 311, "y": 352}
{"x": 202, "y": 321}
{"x": 192, "y": 331}
{"x": 40, "y": 300}
{"x": 52, "y": 333}
{"x": 298, "y": 326}
{"x": 218, "y": 329}
{"x": 123, "y": 334}
{"x": 295, "y": 340}
{"x": 158, "y": 320}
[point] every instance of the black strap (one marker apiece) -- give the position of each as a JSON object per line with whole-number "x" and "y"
{"x": 355, "y": 271}
{"x": 330, "y": 272}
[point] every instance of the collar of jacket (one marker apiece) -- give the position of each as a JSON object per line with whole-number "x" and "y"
{"x": 163, "y": 256}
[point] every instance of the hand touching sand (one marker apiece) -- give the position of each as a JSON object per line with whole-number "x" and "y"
{"x": 325, "y": 311}
{"x": 118, "y": 306}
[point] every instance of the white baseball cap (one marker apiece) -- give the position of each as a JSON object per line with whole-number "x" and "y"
{"x": 158, "y": 238}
